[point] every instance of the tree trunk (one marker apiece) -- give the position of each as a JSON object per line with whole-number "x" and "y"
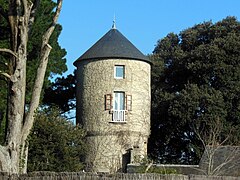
{"x": 20, "y": 118}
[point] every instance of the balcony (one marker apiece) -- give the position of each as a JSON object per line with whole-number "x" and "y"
{"x": 119, "y": 116}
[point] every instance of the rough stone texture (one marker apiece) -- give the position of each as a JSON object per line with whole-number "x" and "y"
{"x": 94, "y": 176}
{"x": 179, "y": 169}
{"x": 110, "y": 142}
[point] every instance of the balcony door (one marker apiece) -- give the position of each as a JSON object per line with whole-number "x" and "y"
{"x": 119, "y": 103}
{"x": 119, "y": 107}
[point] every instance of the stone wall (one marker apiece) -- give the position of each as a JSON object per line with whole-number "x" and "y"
{"x": 225, "y": 162}
{"x": 89, "y": 176}
{"x": 166, "y": 168}
{"x": 110, "y": 141}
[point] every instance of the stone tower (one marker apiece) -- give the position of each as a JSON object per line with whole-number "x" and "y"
{"x": 113, "y": 102}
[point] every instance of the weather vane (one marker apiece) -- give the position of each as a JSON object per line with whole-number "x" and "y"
{"x": 114, "y": 22}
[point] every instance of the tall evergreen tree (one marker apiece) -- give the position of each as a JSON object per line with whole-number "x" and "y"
{"x": 19, "y": 17}
{"x": 57, "y": 61}
{"x": 196, "y": 80}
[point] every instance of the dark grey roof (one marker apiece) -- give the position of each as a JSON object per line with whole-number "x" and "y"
{"x": 113, "y": 45}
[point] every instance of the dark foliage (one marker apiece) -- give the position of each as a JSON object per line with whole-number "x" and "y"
{"x": 195, "y": 80}
{"x": 61, "y": 93}
{"x": 57, "y": 61}
{"x": 55, "y": 144}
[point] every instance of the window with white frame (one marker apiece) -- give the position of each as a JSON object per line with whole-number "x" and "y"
{"x": 119, "y": 71}
{"x": 119, "y": 107}
{"x": 118, "y": 104}
{"x": 119, "y": 101}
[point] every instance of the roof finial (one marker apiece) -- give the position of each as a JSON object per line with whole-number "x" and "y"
{"x": 114, "y": 22}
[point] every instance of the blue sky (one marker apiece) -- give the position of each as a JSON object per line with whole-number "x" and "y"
{"x": 143, "y": 22}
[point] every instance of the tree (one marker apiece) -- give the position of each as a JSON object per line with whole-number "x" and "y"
{"x": 64, "y": 88}
{"x": 55, "y": 144}
{"x": 221, "y": 155}
{"x": 4, "y": 37}
{"x": 57, "y": 62}
{"x": 3, "y": 102}
{"x": 195, "y": 78}
{"x": 20, "y": 116}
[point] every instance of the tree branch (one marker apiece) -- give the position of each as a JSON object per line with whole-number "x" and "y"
{"x": 45, "y": 51}
{"x": 9, "y": 51}
{"x": 6, "y": 75}
{"x": 25, "y": 5}
{"x": 33, "y": 13}
{"x": 230, "y": 157}
{"x": 50, "y": 30}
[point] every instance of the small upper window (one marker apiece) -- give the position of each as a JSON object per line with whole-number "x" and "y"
{"x": 119, "y": 71}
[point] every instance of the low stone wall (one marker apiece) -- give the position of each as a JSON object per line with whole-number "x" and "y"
{"x": 166, "y": 168}
{"x": 91, "y": 176}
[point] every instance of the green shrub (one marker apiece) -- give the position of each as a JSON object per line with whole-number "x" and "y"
{"x": 154, "y": 169}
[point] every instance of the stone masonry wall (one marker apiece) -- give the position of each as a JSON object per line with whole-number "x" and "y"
{"x": 94, "y": 176}
{"x": 110, "y": 141}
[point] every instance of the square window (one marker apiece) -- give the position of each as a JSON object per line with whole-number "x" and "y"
{"x": 119, "y": 71}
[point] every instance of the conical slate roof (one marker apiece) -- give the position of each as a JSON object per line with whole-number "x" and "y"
{"x": 113, "y": 45}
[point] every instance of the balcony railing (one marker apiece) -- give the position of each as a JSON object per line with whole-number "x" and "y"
{"x": 119, "y": 116}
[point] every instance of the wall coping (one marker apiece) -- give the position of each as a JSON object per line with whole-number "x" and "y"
{"x": 167, "y": 165}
